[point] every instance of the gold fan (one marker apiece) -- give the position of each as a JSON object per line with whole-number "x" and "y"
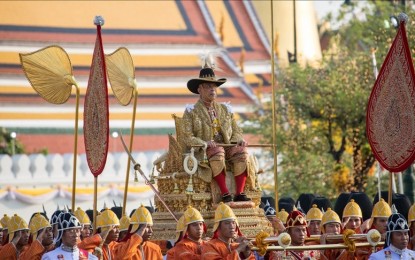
{"x": 120, "y": 69}
{"x": 49, "y": 71}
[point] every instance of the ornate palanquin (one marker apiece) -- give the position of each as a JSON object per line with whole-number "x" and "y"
{"x": 179, "y": 190}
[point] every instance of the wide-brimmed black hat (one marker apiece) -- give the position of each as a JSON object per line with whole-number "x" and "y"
{"x": 206, "y": 75}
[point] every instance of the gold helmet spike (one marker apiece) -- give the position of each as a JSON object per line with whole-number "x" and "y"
{"x": 82, "y": 217}
{"x": 37, "y": 223}
{"x": 352, "y": 209}
{"x": 223, "y": 212}
{"x": 282, "y": 215}
{"x": 16, "y": 223}
{"x": 314, "y": 213}
{"x": 330, "y": 216}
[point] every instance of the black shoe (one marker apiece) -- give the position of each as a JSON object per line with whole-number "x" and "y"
{"x": 226, "y": 198}
{"x": 241, "y": 197}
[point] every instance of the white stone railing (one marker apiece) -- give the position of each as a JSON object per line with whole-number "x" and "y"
{"x": 38, "y": 170}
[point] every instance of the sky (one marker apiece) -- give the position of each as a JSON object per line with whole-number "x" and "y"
{"x": 324, "y": 7}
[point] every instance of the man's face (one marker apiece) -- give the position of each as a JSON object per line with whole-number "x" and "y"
{"x": 207, "y": 91}
{"x": 195, "y": 230}
{"x": 70, "y": 237}
{"x": 298, "y": 235}
{"x": 381, "y": 224}
{"x": 24, "y": 239}
{"x": 86, "y": 231}
{"x": 148, "y": 233}
{"x": 399, "y": 239}
{"x": 353, "y": 223}
{"x": 227, "y": 229}
{"x": 332, "y": 228}
{"x": 113, "y": 234}
{"x": 314, "y": 227}
{"x": 47, "y": 236}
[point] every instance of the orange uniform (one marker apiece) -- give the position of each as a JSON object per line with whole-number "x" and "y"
{"x": 145, "y": 251}
{"x": 35, "y": 251}
{"x": 188, "y": 249}
{"x": 216, "y": 249}
{"x": 9, "y": 252}
{"x": 113, "y": 250}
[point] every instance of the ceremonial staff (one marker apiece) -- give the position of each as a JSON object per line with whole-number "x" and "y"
{"x": 390, "y": 117}
{"x": 49, "y": 71}
{"x": 137, "y": 167}
{"x": 124, "y": 86}
{"x": 273, "y": 107}
{"x": 96, "y": 114}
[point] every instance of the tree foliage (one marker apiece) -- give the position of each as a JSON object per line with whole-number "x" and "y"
{"x": 321, "y": 110}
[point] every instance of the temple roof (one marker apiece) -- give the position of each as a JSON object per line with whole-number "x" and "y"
{"x": 165, "y": 39}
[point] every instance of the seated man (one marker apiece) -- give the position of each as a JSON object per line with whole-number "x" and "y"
{"x": 397, "y": 239}
{"x": 69, "y": 232}
{"x": 210, "y": 123}
{"x": 190, "y": 247}
{"x": 225, "y": 230}
{"x": 297, "y": 229}
{"x": 352, "y": 217}
{"x": 18, "y": 238}
{"x": 313, "y": 218}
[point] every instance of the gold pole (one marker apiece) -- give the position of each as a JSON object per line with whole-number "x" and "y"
{"x": 127, "y": 174}
{"x": 273, "y": 109}
{"x": 316, "y": 247}
{"x": 390, "y": 189}
{"x": 95, "y": 205}
{"x": 75, "y": 149}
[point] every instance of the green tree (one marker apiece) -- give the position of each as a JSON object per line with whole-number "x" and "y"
{"x": 321, "y": 109}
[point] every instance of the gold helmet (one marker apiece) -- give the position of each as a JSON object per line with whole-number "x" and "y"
{"x": 179, "y": 227}
{"x": 223, "y": 212}
{"x": 411, "y": 215}
{"x": 37, "y": 223}
{"x": 82, "y": 217}
{"x": 192, "y": 215}
{"x": 141, "y": 216}
{"x": 314, "y": 213}
{"x": 380, "y": 210}
{"x": 5, "y": 221}
{"x": 107, "y": 219}
{"x": 330, "y": 216}
{"x": 16, "y": 223}
{"x": 352, "y": 209}
{"x": 282, "y": 215}
{"x": 124, "y": 222}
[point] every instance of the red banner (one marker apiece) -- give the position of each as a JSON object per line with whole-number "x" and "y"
{"x": 390, "y": 119}
{"x": 96, "y": 115}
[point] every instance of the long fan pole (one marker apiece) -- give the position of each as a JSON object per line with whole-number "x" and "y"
{"x": 274, "y": 121}
{"x": 95, "y": 205}
{"x": 127, "y": 174}
{"x": 75, "y": 149}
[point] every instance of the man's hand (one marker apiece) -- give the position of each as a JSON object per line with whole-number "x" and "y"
{"x": 40, "y": 236}
{"x": 211, "y": 144}
{"x": 244, "y": 246}
{"x": 141, "y": 230}
{"x": 243, "y": 143}
{"x": 17, "y": 236}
